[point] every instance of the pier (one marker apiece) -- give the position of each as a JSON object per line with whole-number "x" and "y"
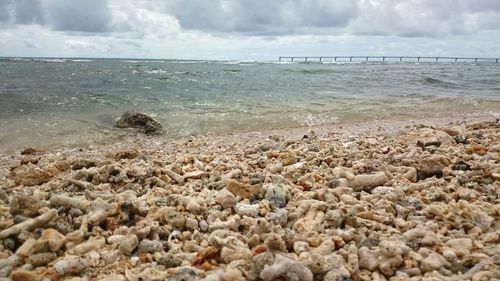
{"x": 427, "y": 59}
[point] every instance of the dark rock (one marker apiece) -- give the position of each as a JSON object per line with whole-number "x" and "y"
{"x": 140, "y": 121}
{"x": 255, "y": 180}
{"x": 32, "y": 151}
{"x": 82, "y": 163}
{"x": 461, "y": 166}
{"x": 435, "y": 143}
{"x": 277, "y": 201}
{"x": 127, "y": 154}
{"x": 426, "y": 144}
{"x": 9, "y": 243}
{"x": 457, "y": 267}
{"x": 27, "y": 160}
{"x": 423, "y": 174}
{"x": 431, "y": 166}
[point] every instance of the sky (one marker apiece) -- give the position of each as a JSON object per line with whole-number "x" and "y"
{"x": 248, "y": 29}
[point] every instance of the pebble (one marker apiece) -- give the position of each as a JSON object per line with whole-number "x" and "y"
{"x": 242, "y": 190}
{"x": 41, "y": 259}
{"x": 276, "y": 194}
{"x": 24, "y": 275}
{"x": 460, "y": 246}
{"x": 203, "y": 225}
{"x": 150, "y": 246}
{"x": 225, "y": 198}
{"x": 249, "y": 210}
{"x": 70, "y": 265}
{"x": 421, "y": 204}
{"x": 128, "y": 244}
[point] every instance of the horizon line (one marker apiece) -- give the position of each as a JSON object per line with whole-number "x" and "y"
{"x": 263, "y": 60}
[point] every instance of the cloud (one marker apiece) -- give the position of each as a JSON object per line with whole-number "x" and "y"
{"x": 85, "y": 45}
{"x": 141, "y": 18}
{"x": 262, "y": 28}
{"x": 405, "y": 18}
{"x": 21, "y": 11}
{"x": 424, "y": 18}
{"x": 5, "y": 11}
{"x": 61, "y": 15}
{"x": 262, "y": 17}
{"x": 408, "y": 18}
{"x": 79, "y": 15}
{"x": 28, "y": 12}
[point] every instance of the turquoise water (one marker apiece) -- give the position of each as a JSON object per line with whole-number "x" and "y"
{"x": 75, "y": 102}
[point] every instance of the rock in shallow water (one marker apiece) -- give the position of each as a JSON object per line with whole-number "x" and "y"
{"x": 131, "y": 119}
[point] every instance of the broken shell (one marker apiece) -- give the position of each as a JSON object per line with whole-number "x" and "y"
{"x": 128, "y": 244}
{"x": 460, "y": 246}
{"x": 244, "y": 191}
{"x": 249, "y": 210}
{"x": 282, "y": 266}
{"x": 41, "y": 259}
{"x": 24, "y": 275}
{"x": 70, "y": 265}
{"x": 150, "y": 246}
{"x": 225, "y": 198}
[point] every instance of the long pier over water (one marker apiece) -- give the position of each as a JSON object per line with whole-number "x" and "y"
{"x": 387, "y": 59}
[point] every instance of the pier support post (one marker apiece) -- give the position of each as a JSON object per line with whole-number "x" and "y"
{"x": 388, "y": 58}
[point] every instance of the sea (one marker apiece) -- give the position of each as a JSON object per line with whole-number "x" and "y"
{"x": 56, "y": 102}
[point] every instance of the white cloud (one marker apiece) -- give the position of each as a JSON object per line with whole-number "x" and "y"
{"x": 85, "y": 46}
{"x": 262, "y": 17}
{"x": 253, "y": 29}
{"x": 423, "y": 18}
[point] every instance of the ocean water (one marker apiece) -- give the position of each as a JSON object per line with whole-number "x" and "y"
{"x": 72, "y": 102}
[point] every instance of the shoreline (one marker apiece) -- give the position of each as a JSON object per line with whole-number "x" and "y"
{"x": 346, "y": 128}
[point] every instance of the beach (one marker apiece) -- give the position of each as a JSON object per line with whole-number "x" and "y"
{"x": 380, "y": 200}
{"x": 291, "y": 140}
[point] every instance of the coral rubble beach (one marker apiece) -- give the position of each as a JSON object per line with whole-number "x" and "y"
{"x": 379, "y": 201}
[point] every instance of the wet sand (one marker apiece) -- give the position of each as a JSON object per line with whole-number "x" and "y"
{"x": 398, "y": 200}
